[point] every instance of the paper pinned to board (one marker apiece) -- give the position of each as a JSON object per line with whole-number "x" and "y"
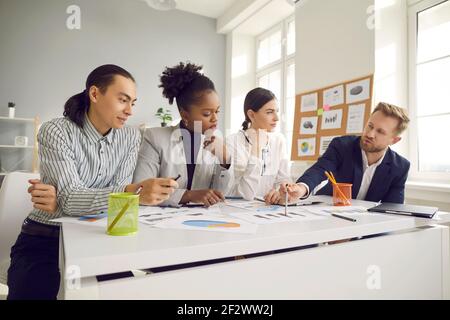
{"x": 355, "y": 119}
{"x": 309, "y": 102}
{"x": 333, "y": 96}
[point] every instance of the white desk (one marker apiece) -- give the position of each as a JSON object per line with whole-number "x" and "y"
{"x": 412, "y": 261}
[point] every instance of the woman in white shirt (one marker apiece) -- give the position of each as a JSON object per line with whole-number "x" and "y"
{"x": 260, "y": 157}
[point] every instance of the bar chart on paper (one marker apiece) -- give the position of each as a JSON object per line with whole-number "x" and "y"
{"x": 278, "y": 215}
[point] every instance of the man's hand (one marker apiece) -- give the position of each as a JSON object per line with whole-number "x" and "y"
{"x": 154, "y": 191}
{"x": 295, "y": 192}
{"x": 43, "y": 196}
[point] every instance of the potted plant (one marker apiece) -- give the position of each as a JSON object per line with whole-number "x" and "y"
{"x": 165, "y": 116}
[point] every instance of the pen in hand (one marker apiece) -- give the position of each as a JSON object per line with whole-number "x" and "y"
{"x": 286, "y": 201}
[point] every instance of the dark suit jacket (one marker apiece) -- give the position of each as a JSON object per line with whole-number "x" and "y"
{"x": 343, "y": 158}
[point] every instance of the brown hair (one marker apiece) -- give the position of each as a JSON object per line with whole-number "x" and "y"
{"x": 398, "y": 113}
{"x": 255, "y": 100}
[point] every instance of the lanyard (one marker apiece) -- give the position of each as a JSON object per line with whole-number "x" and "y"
{"x": 264, "y": 153}
{"x": 264, "y": 157}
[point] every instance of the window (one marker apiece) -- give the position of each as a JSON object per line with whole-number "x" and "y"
{"x": 429, "y": 28}
{"x": 276, "y": 71}
{"x": 269, "y": 49}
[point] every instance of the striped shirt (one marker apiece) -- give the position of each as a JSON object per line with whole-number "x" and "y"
{"x": 84, "y": 166}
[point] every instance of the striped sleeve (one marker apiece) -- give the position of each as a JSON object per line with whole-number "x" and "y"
{"x": 58, "y": 165}
{"x": 124, "y": 172}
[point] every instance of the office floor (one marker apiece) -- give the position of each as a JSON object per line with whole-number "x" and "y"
{"x": 3, "y": 292}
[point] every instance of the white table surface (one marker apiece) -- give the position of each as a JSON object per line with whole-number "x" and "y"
{"x": 91, "y": 250}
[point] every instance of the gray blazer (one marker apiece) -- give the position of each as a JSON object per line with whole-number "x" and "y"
{"x": 162, "y": 155}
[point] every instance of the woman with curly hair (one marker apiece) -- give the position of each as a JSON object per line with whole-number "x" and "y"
{"x": 191, "y": 149}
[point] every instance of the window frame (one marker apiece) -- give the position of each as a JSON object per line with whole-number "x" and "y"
{"x": 267, "y": 34}
{"x": 414, "y": 173}
{"x": 282, "y": 64}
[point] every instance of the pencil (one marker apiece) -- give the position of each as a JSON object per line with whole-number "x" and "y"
{"x": 124, "y": 209}
{"x": 330, "y": 177}
{"x": 343, "y": 217}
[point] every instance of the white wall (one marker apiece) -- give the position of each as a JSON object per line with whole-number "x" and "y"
{"x": 335, "y": 43}
{"x": 391, "y": 63}
{"x": 242, "y": 77}
{"x": 42, "y": 63}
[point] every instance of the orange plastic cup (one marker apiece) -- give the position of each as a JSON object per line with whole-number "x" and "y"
{"x": 346, "y": 190}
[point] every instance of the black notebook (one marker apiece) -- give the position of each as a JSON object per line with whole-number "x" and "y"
{"x": 405, "y": 209}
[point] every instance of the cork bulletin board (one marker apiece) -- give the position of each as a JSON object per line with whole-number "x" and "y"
{"x": 337, "y": 110}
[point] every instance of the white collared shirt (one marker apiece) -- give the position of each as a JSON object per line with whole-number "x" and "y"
{"x": 256, "y": 176}
{"x": 368, "y": 172}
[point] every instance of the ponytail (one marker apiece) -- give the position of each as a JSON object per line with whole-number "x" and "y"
{"x": 78, "y": 105}
{"x": 76, "y": 108}
{"x": 255, "y": 100}
{"x": 245, "y": 124}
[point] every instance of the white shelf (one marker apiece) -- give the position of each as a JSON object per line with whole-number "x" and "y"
{"x": 17, "y": 119}
{"x": 4, "y": 173}
{"x": 17, "y": 147}
{"x": 32, "y": 145}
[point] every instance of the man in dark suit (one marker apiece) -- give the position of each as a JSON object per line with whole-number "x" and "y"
{"x": 376, "y": 172}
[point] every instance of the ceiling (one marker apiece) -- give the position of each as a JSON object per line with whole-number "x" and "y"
{"x": 207, "y": 8}
{"x": 270, "y": 14}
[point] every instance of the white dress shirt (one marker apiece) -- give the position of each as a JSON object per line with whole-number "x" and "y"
{"x": 368, "y": 172}
{"x": 256, "y": 176}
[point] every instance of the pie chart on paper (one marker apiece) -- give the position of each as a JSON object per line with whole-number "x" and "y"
{"x": 305, "y": 147}
{"x": 211, "y": 224}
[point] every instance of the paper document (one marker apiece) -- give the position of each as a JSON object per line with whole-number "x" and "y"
{"x": 334, "y": 96}
{"x": 355, "y": 118}
{"x": 208, "y": 222}
{"x": 276, "y": 216}
{"x": 309, "y": 102}
{"x": 154, "y": 215}
{"x": 97, "y": 220}
{"x": 351, "y": 211}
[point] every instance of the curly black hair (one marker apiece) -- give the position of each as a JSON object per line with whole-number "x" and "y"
{"x": 185, "y": 83}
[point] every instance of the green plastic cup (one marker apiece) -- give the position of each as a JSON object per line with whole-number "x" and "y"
{"x": 123, "y": 208}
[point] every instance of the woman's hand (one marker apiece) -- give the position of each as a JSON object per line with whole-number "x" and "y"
{"x": 208, "y": 197}
{"x": 272, "y": 197}
{"x": 154, "y": 191}
{"x": 217, "y": 147}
